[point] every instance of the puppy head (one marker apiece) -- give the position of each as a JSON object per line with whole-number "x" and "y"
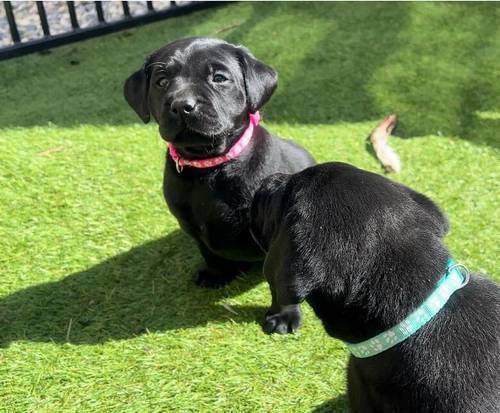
{"x": 267, "y": 208}
{"x": 199, "y": 90}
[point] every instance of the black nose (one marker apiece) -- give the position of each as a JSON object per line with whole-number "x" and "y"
{"x": 183, "y": 106}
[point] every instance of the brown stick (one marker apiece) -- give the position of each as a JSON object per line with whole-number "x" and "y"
{"x": 379, "y": 139}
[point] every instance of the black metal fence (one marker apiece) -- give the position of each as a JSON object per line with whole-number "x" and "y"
{"x": 77, "y": 33}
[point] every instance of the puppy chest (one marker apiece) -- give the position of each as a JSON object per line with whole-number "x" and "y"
{"x": 204, "y": 213}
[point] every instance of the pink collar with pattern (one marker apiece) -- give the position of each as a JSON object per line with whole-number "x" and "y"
{"x": 235, "y": 150}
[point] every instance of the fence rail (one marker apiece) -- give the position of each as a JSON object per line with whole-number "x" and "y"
{"x": 77, "y": 33}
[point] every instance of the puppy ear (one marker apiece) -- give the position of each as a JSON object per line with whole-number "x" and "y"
{"x": 136, "y": 90}
{"x": 260, "y": 80}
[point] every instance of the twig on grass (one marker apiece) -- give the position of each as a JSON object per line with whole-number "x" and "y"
{"x": 68, "y": 331}
{"x": 51, "y": 150}
{"x": 379, "y": 139}
{"x": 225, "y": 29}
{"x": 229, "y": 308}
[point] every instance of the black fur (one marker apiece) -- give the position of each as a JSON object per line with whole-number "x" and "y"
{"x": 364, "y": 252}
{"x": 180, "y": 86}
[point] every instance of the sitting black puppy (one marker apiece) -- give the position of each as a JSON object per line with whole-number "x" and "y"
{"x": 368, "y": 255}
{"x": 205, "y": 95}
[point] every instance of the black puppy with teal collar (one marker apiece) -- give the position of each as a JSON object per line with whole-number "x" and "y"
{"x": 201, "y": 91}
{"x": 365, "y": 252}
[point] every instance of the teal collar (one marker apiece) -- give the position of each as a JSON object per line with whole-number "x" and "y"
{"x": 453, "y": 280}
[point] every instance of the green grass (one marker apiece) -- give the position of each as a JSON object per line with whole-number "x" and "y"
{"x": 97, "y": 309}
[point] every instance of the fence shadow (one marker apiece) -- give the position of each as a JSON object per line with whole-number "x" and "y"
{"x": 335, "y": 80}
{"x": 329, "y": 79}
{"x": 146, "y": 289}
{"x": 327, "y": 83}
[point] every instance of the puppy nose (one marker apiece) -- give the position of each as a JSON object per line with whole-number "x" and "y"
{"x": 183, "y": 106}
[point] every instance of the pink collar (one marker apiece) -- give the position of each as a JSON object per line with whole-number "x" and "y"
{"x": 235, "y": 150}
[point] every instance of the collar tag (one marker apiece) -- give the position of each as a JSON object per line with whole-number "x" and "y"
{"x": 178, "y": 167}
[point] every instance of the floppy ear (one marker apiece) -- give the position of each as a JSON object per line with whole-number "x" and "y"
{"x": 260, "y": 80}
{"x": 136, "y": 93}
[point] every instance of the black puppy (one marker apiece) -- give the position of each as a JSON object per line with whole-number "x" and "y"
{"x": 366, "y": 252}
{"x": 202, "y": 93}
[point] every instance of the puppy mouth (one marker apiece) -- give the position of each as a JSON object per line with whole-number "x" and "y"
{"x": 203, "y": 124}
{"x": 190, "y": 139}
{"x": 199, "y": 131}
{"x": 194, "y": 129}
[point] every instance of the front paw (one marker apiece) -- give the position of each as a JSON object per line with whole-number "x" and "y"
{"x": 287, "y": 321}
{"x": 208, "y": 279}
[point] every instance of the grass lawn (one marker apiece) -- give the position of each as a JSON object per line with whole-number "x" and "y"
{"x": 97, "y": 309}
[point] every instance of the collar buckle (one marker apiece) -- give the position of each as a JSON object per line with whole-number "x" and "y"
{"x": 464, "y": 272}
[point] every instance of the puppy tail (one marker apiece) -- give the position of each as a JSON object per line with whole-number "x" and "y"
{"x": 379, "y": 137}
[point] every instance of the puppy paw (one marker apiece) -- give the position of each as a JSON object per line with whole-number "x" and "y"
{"x": 282, "y": 323}
{"x": 208, "y": 279}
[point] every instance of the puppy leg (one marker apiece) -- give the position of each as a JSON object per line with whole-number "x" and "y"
{"x": 284, "y": 315}
{"x": 218, "y": 271}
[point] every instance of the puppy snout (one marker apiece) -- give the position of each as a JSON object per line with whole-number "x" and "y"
{"x": 183, "y": 106}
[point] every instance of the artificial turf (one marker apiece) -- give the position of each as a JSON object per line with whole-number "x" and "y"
{"x": 97, "y": 308}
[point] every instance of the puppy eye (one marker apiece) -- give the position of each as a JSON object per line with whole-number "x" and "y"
{"x": 162, "y": 82}
{"x": 218, "y": 78}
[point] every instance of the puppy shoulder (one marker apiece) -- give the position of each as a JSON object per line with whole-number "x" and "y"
{"x": 291, "y": 264}
{"x": 436, "y": 215}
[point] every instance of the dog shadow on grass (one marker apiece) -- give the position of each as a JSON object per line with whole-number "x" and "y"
{"x": 336, "y": 405}
{"x": 146, "y": 289}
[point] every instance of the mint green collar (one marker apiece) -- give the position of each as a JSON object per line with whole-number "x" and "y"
{"x": 453, "y": 280}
